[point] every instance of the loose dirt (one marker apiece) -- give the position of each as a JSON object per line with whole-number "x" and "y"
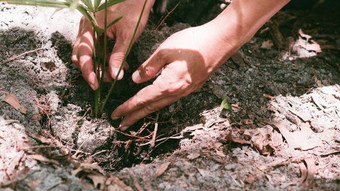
{"x": 282, "y": 132}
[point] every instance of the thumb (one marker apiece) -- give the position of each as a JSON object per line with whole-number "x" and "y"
{"x": 149, "y": 68}
{"x": 116, "y": 59}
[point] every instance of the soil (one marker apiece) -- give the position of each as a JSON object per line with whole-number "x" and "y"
{"x": 281, "y": 133}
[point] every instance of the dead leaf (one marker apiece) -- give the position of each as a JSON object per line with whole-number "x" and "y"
{"x": 265, "y": 140}
{"x": 89, "y": 168}
{"x": 220, "y": 153}
{"x": 115, "y": 184}
{"x": 12, "y": 100}
{"x": 247, "y": 121}
{"x": 43, "y": 159}
{"x": 33, "y": 184}
{"x": 136, "y": 183}
{"x": 205, "y": 173}
{"x": 268, "y": 44}
{"x": 218, "y": 145}
{"x": 97, "y": 179}
{"x": 192, "y": 156}
{"x": 238, "y": 59}
{"x": 41, "y": 139}
{"x": 303, "y": 171}
{"x": 303, "y": 35}
{"x": 229, "y": 137}
{"x": 311, "y": 169}
{"x": 305, "y": 47}
{"x": 161, "y": 169}
{"x": 250, "y": 179}
{"x": 303, "y": 139}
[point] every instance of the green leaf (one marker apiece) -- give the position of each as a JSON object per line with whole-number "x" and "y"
{"x": 113, "y": 22}
{"x": 96, "y": 4}
{"x": 98, "y": 29}
{"x": 88, "y": 4}
{"x": 108, "y": 4}
{"x": 42, "y": 3}
{"x": 226, "y": 105}
{"x": 91, "y": 19}
{"x": 73, "y": 4}
{"x": 84, "y": 12}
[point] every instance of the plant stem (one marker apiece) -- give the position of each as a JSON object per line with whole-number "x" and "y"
{"x": 125, "y": 56}
{"x": 105, "y": 49}
{"x": 101, "y": 66}
{"x": 96, "y": 70}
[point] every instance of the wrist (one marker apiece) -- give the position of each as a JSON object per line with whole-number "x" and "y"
{"x": 240, "y": 21}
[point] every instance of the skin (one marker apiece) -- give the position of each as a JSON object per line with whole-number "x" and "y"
{"x": 186, "y": 59}
{"x": 121, "y": 32}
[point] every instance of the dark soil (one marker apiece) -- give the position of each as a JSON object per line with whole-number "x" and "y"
{"x": 282, "y": 133}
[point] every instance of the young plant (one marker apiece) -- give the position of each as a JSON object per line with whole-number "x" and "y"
{"x": 89, "y": 9}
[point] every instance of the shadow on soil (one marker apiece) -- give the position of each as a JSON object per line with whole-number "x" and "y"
{"x": 244, "y": 82}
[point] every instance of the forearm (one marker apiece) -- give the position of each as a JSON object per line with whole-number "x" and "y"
{"x": 248, "y": 16}
{"x": 239, "y": 22}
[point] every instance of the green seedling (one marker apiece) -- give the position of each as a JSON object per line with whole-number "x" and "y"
{"x": 88, "y": 9}
{"x": 226, "y": 107}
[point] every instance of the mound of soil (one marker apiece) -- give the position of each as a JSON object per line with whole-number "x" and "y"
{"x": 282, "y": 131}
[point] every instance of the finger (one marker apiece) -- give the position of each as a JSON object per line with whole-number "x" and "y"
{"x": 86, "y": 67}
{"x": 144, "y": 96}
{"x": 84, "y": 58}
{"x": 165, "y": 85}
{"x": 136, "y": 115}
{"x": 74, "y": 57}
{"x": 150, "y": 67}
{"x": 117, "y": 57}
{"x": 107, "y": 76}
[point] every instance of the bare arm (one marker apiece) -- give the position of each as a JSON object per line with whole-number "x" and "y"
{"x": 238, "y": 23}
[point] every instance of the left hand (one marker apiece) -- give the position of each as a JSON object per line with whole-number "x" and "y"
{"x": 186, "y": 60}
{"x": 121, "y": 32}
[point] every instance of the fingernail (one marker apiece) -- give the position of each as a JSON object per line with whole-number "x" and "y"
{"x": 92, "y": 86}
{"x": 136, "y": 76}
{"x": 92, "y": 81}
{"x": 115, "y": 72}
{"x": 123, "y": 128}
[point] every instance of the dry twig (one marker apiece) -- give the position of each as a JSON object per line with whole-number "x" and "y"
{"x": 20, "y": 55}
{"x": 166, "y": 16}
{"x": 152, "y": 144}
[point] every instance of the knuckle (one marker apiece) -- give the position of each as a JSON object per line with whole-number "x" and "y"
{"x": 147, "y": 71}
{"x": 139, "y": 100}
{"x": 149, "y": 108}
{"x": 116, "y": 58}
{"x": 176, "y": 87}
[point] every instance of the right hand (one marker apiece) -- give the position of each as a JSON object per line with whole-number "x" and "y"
{"x": 121, "y": 32}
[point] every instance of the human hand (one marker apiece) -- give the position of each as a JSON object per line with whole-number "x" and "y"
{"x": 190, "y": 57}
{"x": 186, "y": 60}
{"x": 121, "y": 32}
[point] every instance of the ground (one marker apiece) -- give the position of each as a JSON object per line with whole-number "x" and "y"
{"x": 282, "y": 132}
